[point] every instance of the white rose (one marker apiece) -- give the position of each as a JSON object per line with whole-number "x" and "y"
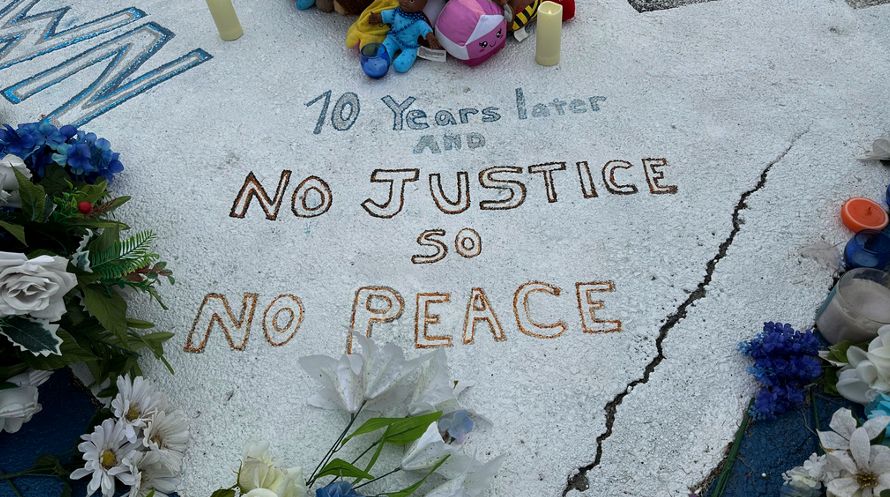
{"x": 34, "y": 287}
{"x": 259, "y": 477}
{"x": 9, "y": 185}
{"x": 261, "y": 492}
{"x": 18, "y": 405}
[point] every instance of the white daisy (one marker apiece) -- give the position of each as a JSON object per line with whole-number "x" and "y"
{"x": 105, "y": 451}
{"x": 148, "y": 472}
{"x": 136, "y": 403}
{"x": 843, "y": 425}
{"x": 865, "y": 469}
{"x": 167, "y": 434}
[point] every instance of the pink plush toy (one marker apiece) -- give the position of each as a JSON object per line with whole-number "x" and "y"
{"x": 472, "y": 30}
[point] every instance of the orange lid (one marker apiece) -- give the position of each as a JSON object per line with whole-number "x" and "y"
{"x": 863, "y": 214}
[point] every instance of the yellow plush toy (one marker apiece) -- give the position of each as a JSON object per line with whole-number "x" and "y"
{"x": 363, "y": 32}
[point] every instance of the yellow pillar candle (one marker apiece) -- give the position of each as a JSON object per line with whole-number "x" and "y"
{"x": 549, "y": 34}
{"x": 226, "y": 19}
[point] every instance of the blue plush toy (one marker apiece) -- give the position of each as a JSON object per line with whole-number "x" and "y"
{"x": 305, "y": 4}
{"x": 407, "y": 26}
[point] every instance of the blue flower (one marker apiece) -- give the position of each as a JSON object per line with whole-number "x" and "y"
{"x": 15, "y": 143}
{"x": 337, "y": 489}
{"x": 89, "y": 158}
{"x": 455, "y": 426}
{"x": 785, "y": 362}
{"x": 879, "y": 407}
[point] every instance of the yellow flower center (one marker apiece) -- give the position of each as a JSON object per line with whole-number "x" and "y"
{"x": 867, "y": 480}
{"x": 133, "y": 413}
{"x": 108, "y": 459}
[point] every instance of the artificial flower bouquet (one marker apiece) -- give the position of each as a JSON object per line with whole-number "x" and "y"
{"x": 417, "y": 432}
{"x": 66, "y": 266}
{"x": 854, "y": 456}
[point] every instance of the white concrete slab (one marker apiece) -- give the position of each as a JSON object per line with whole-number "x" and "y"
{"x": 758, "y": 107}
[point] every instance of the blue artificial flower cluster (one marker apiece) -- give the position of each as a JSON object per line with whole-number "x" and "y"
{"x": 456, "y": 426}
{"x": 785, "y": 362}
{"x": 83, "y": 155}
{"x": 337, "y": 489}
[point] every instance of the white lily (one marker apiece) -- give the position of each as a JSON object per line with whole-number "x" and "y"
{"x": 385, "y": 368}
{"x": 469, "y": 484}
{"x": 865, "y": 469}
{"x": 371, "y": 375}
{"x": 341, "y": 381}
{"x": 435, "y": 391}
{"x": 427, "y": 451}
{"x": 844, "y": 425}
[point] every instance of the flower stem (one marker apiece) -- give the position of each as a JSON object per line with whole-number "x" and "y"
{"x": 334, "y": 448}
{"x": 378, "y": 478}
{"x": 15, "y": 489}
{"x": 720, "y": 486}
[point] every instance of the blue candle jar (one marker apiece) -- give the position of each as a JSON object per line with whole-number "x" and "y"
{"x": 375, "y": 60}
{"x": 868, "y": 249}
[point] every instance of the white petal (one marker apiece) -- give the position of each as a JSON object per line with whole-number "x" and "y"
{"x": 843, "y": 423}
{"x": 880, "y": 459}
{"x": 855, "y": 355}
{"x": 426, "y": 451}
{"x": 852, "y": 388}
{"x": 832, "y": 441}
{"x": 843, "y": 487}
{"x": 875, "y": 426}
{"x": 860, "y": 448}
{"x": 842, "y": 462}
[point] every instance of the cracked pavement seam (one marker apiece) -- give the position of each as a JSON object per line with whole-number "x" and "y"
{"x": 578, "y": 480}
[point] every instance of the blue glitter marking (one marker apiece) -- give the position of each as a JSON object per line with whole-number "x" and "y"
{"x": 21, "y": 20}
{"x": 112, "y": 93}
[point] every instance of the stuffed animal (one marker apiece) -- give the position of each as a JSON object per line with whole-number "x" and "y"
{"x": 524, "y": 12}
{"x": 351, "y": 7}
{"x": 407, "y": 25}
{"x": 363, "y": 32}
{"x": 472, "y": 30}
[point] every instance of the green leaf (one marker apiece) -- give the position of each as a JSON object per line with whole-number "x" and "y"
{"x": 15, "y": 230}
{"x": 407, "y": 491}
{"x": 115, "y": 203}
{"x": 34, "y": 197}
{"x": 36, "y": 337}
{"x": 341, "y": 468}
{"x": 124, "y": 257}
{"x": 371, "y": 426}
{"x": 138, "y": 324}
{"x": 108, "y": 308}
{"x": 838, "y": 352}
{"x": 93, "y": 193}
{"x": 398, "y": 430}
{"x": 106, "y": 240}
{"x": 48, "y": 465}
{"x": 55, "y": 180}
{"x": 224, "y": 492}
{"x": 410, "y": 429}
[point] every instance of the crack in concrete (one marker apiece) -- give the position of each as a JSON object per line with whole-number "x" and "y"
{"x": 579, "y": 480}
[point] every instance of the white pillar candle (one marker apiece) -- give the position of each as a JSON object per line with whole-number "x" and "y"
{"x": 858, "y": 306}
{"x": 548, "y": 34}
{"x": 226, "y": 19}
